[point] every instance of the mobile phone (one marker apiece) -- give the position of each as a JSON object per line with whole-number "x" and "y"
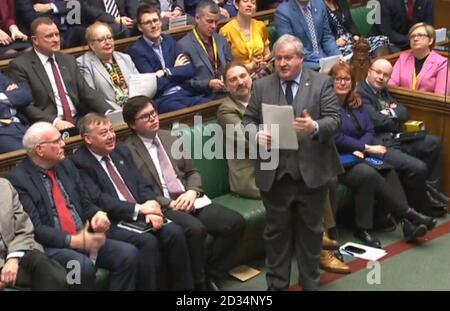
{"x": 354, "y": 249}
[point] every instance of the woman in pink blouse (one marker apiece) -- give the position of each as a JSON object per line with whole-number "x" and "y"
{"x": 421, "y": 68}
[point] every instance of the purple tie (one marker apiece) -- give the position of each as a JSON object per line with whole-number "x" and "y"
{"x": 173, "y": 184}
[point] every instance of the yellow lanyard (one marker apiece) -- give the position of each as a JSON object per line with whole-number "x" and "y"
{"x": 414, "y": 81}
{"x": 204, "y": 48}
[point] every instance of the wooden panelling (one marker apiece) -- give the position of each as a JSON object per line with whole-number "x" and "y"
{"x": 441, "y": 13}
{"x": 435, "y": 112}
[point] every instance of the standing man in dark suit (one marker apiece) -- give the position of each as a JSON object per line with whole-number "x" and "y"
{"x": 178, "y": 185}
{"x": 418, "y": 162}
{"x": 208, "y": 51}
{"x": 60, "y": 93}
{"x": 13, "y": 124}
{"x": 66, "y": 222}
{"x": 397, "y": 17}
{"x": 294, "y": 192}
{"x": 22, "y": 262}
{"x": 115, "y": 183}
{"x": 158, "y": 53}
{"x": 120, "y": 14}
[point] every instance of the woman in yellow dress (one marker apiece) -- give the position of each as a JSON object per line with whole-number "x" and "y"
{"x": 248, "y": 38}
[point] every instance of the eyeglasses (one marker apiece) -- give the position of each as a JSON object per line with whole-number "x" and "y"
{"x": 56, "y": 141}
{"x": 104, "y": 39}
{"x": 418, "y": 36}
{"x": 150, "y": 22}
{"x": 339, "y": 80}
{"x": 381, "y": 73}
{"x": 146, "y": 117}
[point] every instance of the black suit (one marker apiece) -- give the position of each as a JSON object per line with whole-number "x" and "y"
{"x": 28, "y": 68}
{"x": 118, "y": 257}
{"x": 417, "y": 161}
{"x": 170, "y": 237}
{"x": 395, "y": 22}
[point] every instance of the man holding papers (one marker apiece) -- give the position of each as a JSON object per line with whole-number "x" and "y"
{"x": 294, "y": 192}
{"x": 178, "y": 187}
{"x": 116, "y": 185}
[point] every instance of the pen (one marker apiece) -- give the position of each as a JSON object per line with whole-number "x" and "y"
{"x": 347, "y": 252}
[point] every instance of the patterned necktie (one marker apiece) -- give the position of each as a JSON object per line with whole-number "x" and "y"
{"x": 410, "y": 9}
{"x": 111, "y": 8}
{"x": 288, "y": 93}
{"x": 67, "y": 112}
{"x": 311, "y": 28}
{"x": 65, "y": 217}
{"x": 118, "y": 181}
{"x": 173, "y": 184}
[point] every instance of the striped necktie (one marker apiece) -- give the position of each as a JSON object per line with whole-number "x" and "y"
{"x": 111, "y": 8}
{"x": 311, "y": 28}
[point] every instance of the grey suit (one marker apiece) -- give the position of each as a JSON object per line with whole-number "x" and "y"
{"x": 16, "y": 235}
{"x": 204, "y": 71}
{"x": 28, "y": 68}
{"x": 241, "y": 172}
{"x": 294, "y": 193}
{"x": 96, "y": 76}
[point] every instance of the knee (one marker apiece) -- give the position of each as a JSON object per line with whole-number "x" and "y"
{"x": 195, "y": 231}
{"x": 419, "y": 171}
{"x": 239, "y": 225}
{"x": 129, "y": 257}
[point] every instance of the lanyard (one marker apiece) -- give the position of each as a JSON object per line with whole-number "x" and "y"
{"x": 414, "y": 81}
{"x": 204, "y": 47}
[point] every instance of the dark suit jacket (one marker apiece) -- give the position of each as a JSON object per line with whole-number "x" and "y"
{"x": 26, "y": 14}
{"x": 146, "y": 61}
{"x": 28, "y": 68}
{"x": 157, "y": 4}
{"x": 94, "y": 10}
{"x": 18, "y": 98}
{"x": 354, "y": 136}
{"x": 184, "y": 168}
{"x": 317, "y": 156}
{"x": 204, "y": 71}
{"x": 395, "y": 23}
{"x": 16, "y": 229}
{"x": 383, "y": 125}
{"x": 101, "y": 188}
{"x": 27, "y": 179}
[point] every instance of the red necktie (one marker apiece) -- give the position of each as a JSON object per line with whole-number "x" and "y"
{"x": 65, "y": 217}
{"x": 410, "y": 9}
{"x": 173, "y": 184}
{"x": 118, "y": 181}
{"x": 67, "y": 113}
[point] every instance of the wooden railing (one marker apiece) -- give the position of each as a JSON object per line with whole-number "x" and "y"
{"x": 208, "y": 112}
{"x": 123, "y": 44}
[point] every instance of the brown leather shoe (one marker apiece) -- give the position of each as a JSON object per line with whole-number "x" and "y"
{"x": 328, "y": 243}
{"x": 330, "y": 263}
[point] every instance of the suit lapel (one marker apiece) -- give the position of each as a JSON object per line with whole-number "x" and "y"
{"x": 98, "y": 66}
{"x": 42, "y": 75}
{"x": 67, "y": 78}
{"x": 302, "y": 93}
{"x": 303, "y": 26}
{"x": 121, "y": 168}
{"x": 151, "y": 55}
{"x": 147, "y": 159}
{"x": 95, "y": 166}
{"x": 427, "y": 66}
{"x": 201, "y": 53}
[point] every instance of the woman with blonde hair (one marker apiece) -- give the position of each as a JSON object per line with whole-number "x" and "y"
{"x": 421, "y": 68}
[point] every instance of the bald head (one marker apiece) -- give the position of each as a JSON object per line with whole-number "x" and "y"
{"x": 379, "y": 74}
{"x": 35, "y": 133}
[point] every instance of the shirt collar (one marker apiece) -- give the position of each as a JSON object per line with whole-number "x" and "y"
{"x": 152, "y": 43}
{"x": 373, "y": 90}
{"x": 97, "y": 156}
{"x": 296, "y": 80}
{"x": 43, "y": 58}
{"x": 302, "y": 7}
{"x": 147, "y": 141}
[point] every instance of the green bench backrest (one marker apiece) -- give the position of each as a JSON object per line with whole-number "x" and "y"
{"x": 214, "y": 171}
{"x": 359, "y": 16}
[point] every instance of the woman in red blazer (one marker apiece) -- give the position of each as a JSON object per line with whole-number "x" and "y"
{"x": 421, "y": 68}
{"x": 10, "y": 35}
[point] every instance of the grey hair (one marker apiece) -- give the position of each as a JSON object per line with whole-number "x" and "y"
{"x": 289, "y": 39}
{"x": 207, "y": 6}
{"x": 33, "y": 135}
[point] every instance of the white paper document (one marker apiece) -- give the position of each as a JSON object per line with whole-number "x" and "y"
{"x": 326, "y": 63}
{"x": 441, "y": 34}
{"x": 278, "y": 121}
{"x": 202, "y": 202}
{"x": 362, "y": 251}
{"x": 142, "y": 84}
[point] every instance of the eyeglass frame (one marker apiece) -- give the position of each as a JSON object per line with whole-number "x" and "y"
{"x": 339, "y": 79}
{"x": 150, "y": 22}
{"x": 146, "y": 117}
{"x": 378, "y": 72}
{"x": 103, "y": 39}
{"x": 418, "y": 35}
{"x": 55, "y": 141}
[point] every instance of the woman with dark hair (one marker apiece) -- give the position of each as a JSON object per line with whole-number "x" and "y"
{"x": 369, "y": 178}
{"x": 248, "y": 39}
{"x": 345, "y": 32}
{"x": 11, "y": 38}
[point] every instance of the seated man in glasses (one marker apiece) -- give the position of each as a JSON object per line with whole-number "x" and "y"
{"x": 103, "y": 68}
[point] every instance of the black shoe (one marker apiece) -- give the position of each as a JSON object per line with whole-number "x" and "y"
{"x": 386, "y": 223}
{"x": 436, "y": 194}
{"x": 433, "y": 212}
{"x": 435, "y": 203}
{"x": 213, "y": 286}
{"x": 367, "y": 238}
{"x": 412, "y": 232}
{"x": 419, "y": 219}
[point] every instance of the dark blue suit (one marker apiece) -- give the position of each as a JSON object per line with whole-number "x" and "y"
{"x": 147, "y": 61}
{"x": 417, "y": 161}
{"x": 395, "y": 22}
{"x": 290, "y": 20}
{"x": 171, "y": 236}
{"x": 11, "y": 135}
{"x": 118, "y": 257}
